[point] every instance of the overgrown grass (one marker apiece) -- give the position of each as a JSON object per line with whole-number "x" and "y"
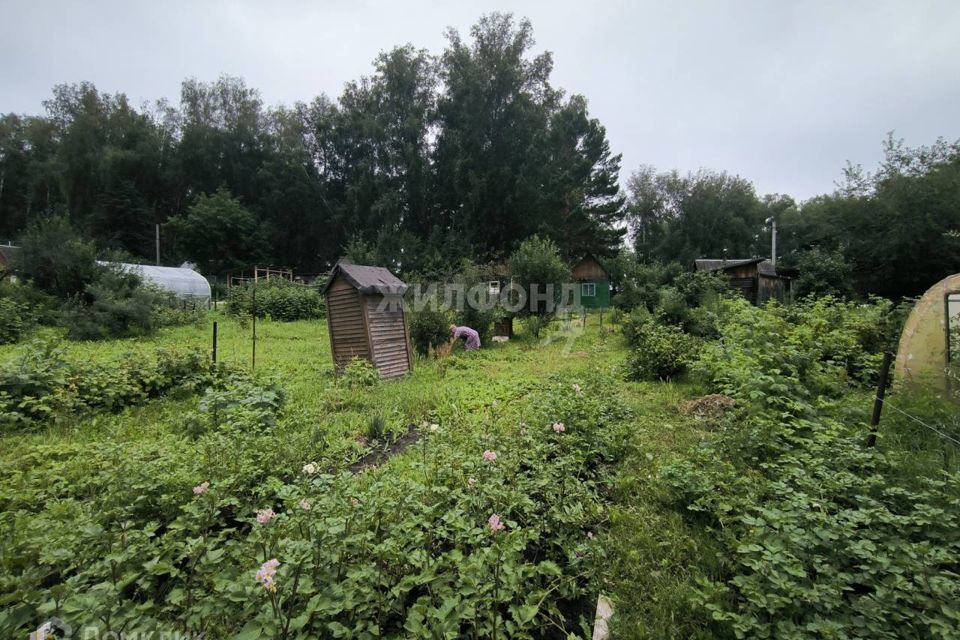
{"x": 50, "y": 477}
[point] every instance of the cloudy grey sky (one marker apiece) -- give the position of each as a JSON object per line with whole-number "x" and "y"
{"x": 782, "y": 93}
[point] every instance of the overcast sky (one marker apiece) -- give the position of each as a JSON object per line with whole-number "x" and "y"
{"x": 782, "y": 93}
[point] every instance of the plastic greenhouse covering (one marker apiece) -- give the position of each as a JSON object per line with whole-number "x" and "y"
{"x": 183, "y": 282}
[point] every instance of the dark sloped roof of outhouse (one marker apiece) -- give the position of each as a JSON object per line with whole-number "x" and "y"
{"x": 367, "y": 279}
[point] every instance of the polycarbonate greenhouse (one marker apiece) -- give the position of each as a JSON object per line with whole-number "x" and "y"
{"x": 184, "y": 283}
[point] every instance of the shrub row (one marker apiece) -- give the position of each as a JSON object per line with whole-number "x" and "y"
{"x": 40, "y": 385}
{"x": 278, "y": 299}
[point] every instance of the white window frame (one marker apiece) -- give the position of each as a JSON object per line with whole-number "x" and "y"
{"x": 588, "y": 289}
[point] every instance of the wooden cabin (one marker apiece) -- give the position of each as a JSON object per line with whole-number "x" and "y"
{"x": 756, "y": 278}
{"x": 366, "y": 318}
{"x": 594, "y": 282}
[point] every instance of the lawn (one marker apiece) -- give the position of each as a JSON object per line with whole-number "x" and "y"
{"x": 103, "y": 528}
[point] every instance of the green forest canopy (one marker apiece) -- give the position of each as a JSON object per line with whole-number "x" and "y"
{"x": 433, "y": 158}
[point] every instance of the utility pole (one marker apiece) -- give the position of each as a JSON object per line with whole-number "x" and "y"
{"x": 773, "y": 241}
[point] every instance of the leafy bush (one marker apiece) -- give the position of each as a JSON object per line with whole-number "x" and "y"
{"x": 818, "y": 347}
{"x": 533, "y": 325}
{"x": 819, "y": 535}
{"x": 659, "y": 352}
{"x": 359, "y": 373}
{"x": 824, "y": 272}
{"x": 824, "y": 541}
{"x": 14, "y": 320}
{"x": 115, "y": 305}
{"x": 55, "y": 258}
{"x": 37, "y": 307}
{"x": 278, "y": 299}
{"x": 429, "y": 328}
{"x": 537, "y": 263}
{"x": 40, "y": 385}
{"x": 238, "y": 403}
{"x": 477, "y": 313}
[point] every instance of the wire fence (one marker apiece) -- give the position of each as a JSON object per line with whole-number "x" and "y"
{"x": 886, "y": 403}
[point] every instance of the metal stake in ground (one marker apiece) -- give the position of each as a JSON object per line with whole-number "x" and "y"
{"x": 878, "y": 400}
{"x": 214, "y": 342}
{"x": 253, "y": 312}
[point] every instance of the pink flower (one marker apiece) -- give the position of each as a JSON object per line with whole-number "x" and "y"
{"x": 265, "y": 515}
{"x": 558, "y": 427}
{"x": 471, "y": 481}
{"x": 201, "y": 488}
{"x": 489, "y": 455}
{"x": 266, "y": 573}
{"x": 495, "y": 524}
{"x": 305, "y": 505}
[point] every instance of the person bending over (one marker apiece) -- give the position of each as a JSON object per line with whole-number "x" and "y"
{"x": 471, "y": 339}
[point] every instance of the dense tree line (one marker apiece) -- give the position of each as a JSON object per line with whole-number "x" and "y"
{"x": 436, "y": 158}
{"x": 894, "y": 232}
{"x": 428, "y": 159}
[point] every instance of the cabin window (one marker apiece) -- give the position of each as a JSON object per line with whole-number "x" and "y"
{"x": 588, "y": 290}
{"x": 494, "y": 287}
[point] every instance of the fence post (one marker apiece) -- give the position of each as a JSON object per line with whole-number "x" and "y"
{"x": 253, "y": 311}
{"x": 214, "y": 342}
{"x": 878, "y": 400}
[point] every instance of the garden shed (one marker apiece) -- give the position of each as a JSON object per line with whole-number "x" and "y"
{"x": 756, "y": 278}
{"x": 366, "y": 318}
{"x": 594, "y": 282}
{"x": 928, "y": 355}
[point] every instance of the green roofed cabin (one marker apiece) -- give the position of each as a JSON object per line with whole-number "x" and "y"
{"x": 594, "y": 282}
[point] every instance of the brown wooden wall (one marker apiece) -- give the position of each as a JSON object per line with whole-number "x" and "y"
{"x": 771, "y": 287}
{"x": 345, "y": 319}
{"x": 589, "y": 269}
{"x": 388, "y": 335}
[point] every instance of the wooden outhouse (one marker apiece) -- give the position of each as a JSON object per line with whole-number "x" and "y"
{"x": 756, "y": 278}
{"x": 366, "y": 318}
{"x": 594, "y": 282}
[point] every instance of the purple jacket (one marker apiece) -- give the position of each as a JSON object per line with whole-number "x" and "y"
{"x": 471, "y": 336}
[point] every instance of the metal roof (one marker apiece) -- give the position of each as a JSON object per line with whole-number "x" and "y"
{"x": 367, "y": 280}
{"x": 765, "y": 267}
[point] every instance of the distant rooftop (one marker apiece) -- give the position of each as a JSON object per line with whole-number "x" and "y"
{"x": 765, "y": 267}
